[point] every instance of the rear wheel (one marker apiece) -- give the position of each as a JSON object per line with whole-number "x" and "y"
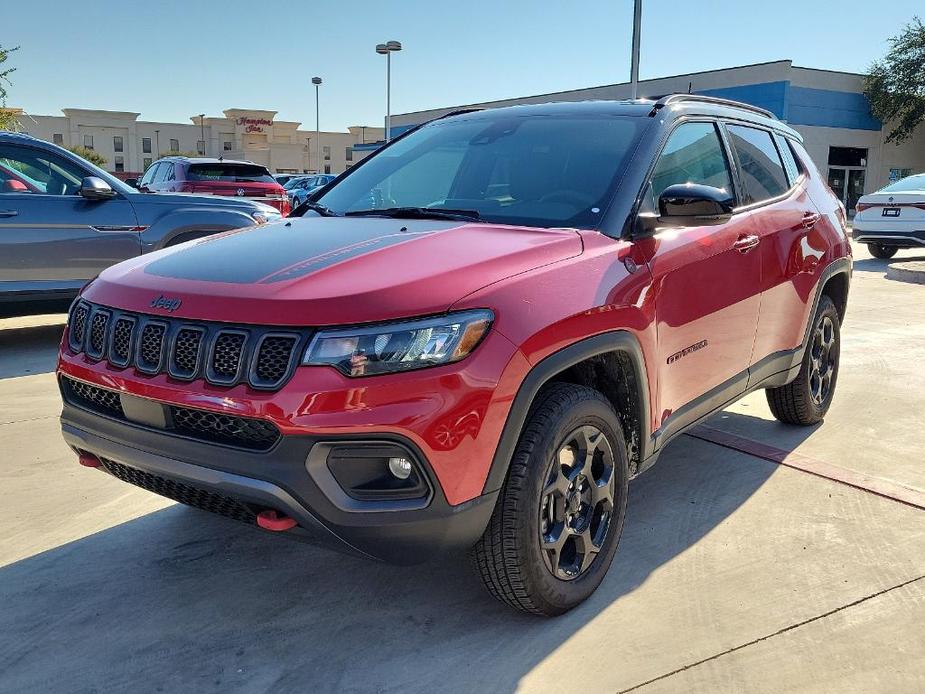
{"x": 878, "y": 250}
{"x": 557, "y": 523}
{"x": 807, "y": 398}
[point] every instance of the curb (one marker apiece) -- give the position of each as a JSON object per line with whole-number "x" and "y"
{"x": 907, "y": 272}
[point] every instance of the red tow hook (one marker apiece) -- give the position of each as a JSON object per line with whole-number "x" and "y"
{"x": 88, "y": 459}
{"x": 277, "y": 522}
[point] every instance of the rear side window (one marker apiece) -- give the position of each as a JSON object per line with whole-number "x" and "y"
{"x": 786, "y": 154}
{"x": 229, "y": 173}
{"x": 693, "y": 154}
{"x": 761, "y": 167}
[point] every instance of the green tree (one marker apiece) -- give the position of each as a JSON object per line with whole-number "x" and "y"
{"x": 895, "y": 86}
{"x": 8, "y": 118}
{"x": 90, "y": 155}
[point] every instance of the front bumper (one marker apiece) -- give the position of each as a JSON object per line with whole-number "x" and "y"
{"x": 239, "y": 483}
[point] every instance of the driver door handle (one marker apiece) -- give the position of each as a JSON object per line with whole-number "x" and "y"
{"x": 810, "y": 219}
{"x": 8, "y": 213}
{"x": 745, "y": 243}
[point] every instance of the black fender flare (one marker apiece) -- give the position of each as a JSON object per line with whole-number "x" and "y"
{"x": 548, "y": 368}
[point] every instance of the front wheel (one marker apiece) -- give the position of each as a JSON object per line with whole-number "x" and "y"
{"x": 557, "y": 523}
{"x": 807, "y": 398}
{"x": 878, "y": 250}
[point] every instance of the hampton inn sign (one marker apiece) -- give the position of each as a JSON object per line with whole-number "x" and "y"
{"x": 254, "y": 125}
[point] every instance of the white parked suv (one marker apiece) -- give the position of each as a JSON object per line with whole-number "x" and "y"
{"x": 893, "y": 217}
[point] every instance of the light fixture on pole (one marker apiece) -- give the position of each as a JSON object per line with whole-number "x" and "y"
{"x": 387, "y": 49}
{"x": 317, "y": 82}
{"x": 202, "y": 131}
{"x": 634, "y": 58}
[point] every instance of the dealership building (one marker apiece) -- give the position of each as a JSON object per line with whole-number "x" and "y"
{"x": 130, "y": 145}
{"x": 828, "y": 108}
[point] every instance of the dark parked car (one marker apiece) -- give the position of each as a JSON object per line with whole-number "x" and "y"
{"x": 475, "y": 337}
{"x": 242, "y": 179}
{"x": 63, "y": 220}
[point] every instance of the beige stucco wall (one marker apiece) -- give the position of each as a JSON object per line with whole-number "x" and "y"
{"x": 278, "y": 145}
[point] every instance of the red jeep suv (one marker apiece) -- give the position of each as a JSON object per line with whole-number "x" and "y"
{"x": 475, "y": 338}
{"x": 204, "y": 176}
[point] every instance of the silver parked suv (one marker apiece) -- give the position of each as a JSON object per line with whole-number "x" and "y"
{"x": 63, "y": 220}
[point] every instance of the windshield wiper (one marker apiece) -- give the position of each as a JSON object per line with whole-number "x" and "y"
{"x": 418, "y": 213}
{"x": 317, "y": 207}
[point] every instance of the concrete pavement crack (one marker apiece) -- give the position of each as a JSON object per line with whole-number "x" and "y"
{"x": 770, "y": 636}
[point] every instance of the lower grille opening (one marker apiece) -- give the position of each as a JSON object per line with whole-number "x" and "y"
{"x": 182, "y": 492}
{"x": 212, "y": 427}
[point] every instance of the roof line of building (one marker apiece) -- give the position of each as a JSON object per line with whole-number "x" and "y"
{"x": 823, "y": 69}
{"x": 603, "y": 86}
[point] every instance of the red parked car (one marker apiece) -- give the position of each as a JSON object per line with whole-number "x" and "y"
{"x": 215, "y": 177}
{"x": 476, "y": 337}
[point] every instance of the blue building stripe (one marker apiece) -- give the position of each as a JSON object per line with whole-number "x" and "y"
{"x": 829, "y": 108}
{"x": 769, "y": 95}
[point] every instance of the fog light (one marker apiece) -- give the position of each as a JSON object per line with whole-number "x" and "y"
{"x": 400, "y": 468}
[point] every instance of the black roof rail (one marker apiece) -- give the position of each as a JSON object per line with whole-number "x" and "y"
{"x": 674, "y": 98}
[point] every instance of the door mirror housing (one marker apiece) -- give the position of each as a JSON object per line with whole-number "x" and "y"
{"x": 689, "y": 205}
{"x": 95, "y": 188}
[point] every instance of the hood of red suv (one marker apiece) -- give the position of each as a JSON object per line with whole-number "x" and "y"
{"x": 328, "y": 271}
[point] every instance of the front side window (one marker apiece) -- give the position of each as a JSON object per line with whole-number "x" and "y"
{"x": 693, "y": 154}
{"x": 27, "y": 170}
{"x": 761, "y": 168}
{"x": 163, "y": 170}
{"x": 146, "y": 145}
{"x": 542, "y": 171}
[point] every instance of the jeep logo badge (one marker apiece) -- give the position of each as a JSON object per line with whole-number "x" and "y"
{"x": 167, "y": 303}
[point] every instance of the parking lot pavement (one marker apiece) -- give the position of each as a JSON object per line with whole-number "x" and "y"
{"x": 734, "y": 573}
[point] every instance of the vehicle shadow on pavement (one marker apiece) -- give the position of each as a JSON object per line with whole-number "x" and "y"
{"x": 180, "y": 600}
{"x": 879, "y": 266}
{"x": 770, "y": 432}
{"x": 28, "y": 350}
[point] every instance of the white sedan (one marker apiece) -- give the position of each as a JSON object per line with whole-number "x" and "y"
{"x": 893, "y": 217}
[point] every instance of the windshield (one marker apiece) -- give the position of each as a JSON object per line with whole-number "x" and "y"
{"x": 235, "y": 173}
{"x": 907, "y": 184}
{"x": 544, "y": 171}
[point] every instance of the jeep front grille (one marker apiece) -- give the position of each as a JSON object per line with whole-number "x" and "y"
{"x": 204, "y": 425}
{"x": 221, "y": 354}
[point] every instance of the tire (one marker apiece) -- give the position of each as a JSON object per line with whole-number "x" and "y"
{"x": 878, "y": 250}
{"x": 552, "y": 451}
{"x": 807, "y": 398}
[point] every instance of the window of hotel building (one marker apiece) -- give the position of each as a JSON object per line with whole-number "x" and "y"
{"x": 88, "y": 141}
{"x": 327, "y": 152}
{"x": 146, "y": 163}
{"x": 58, "y": 138}
{"x": 120, "y": 163}
{"x": 174, "y": 145}
{"x": 226, "y": 145}
{"x": 117, "y": 143}
{"x": 327, "y": 168}
{"x": 201, "y": 146}
{"x": 146, "y": 145}
{"x": 349, "y": 153}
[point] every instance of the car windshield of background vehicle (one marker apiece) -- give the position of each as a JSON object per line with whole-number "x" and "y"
{"x": 762, "y": 170}
{"x": 235, "y": 173}
{"x": 906, "y": 185}
{"x": 550, "y": 171}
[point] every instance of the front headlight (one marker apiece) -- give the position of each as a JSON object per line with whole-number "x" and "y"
{"x": 394, "y": 347}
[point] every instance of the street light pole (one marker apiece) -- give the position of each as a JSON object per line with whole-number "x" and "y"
{"x": 387, "y": 49}
{"x": 634, "y": 59}
{"x": 157, "y": 139}
{"x": 317, "y": 82}
{"x": 202, "y": 131}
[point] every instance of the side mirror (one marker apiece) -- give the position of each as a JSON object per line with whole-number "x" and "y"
{"x": 94, "y": 188}
{"x": 133, "y": 182}
{"x": 690, "y": 205}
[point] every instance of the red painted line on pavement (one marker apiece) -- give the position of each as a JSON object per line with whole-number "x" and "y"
{"x": 875, "y": 485}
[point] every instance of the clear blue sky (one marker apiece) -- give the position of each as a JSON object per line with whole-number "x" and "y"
{"x": 170, "y": 59}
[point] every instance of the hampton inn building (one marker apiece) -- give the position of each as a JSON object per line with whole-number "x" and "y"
{"x": 828, "y": 108}
{"x": 130, "y": 145}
